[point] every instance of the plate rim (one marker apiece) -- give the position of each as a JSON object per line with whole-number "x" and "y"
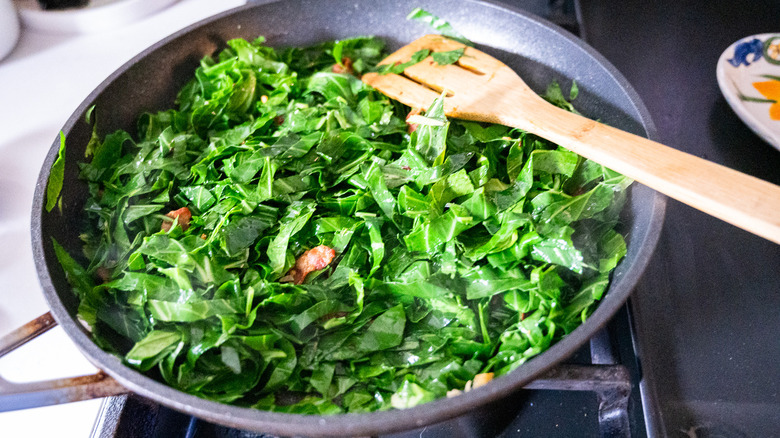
{"x": 727, "y": 89}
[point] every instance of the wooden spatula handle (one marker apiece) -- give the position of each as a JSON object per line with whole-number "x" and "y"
{"x": 739, "y": 199}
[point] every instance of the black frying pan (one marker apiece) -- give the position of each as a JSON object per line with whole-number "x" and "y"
{"x": 539, "y": 51}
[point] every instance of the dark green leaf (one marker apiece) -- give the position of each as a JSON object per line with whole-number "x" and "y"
{"x": 437, "y": 24}
{"x": 446, "y": 58}
{"x": 56, "y": 177}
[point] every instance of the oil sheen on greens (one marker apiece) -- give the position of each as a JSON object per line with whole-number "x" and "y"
{"x": 461, "y": 248}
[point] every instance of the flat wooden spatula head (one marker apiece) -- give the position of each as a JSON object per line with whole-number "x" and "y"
{"x": 469, "y": 84}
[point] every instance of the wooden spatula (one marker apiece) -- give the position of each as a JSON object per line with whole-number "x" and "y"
{"x": 481, "y": 88}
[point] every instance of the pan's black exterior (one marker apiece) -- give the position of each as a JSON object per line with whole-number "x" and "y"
{"x": 538, "y": 50}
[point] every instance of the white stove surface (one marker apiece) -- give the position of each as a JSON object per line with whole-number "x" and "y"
{"x": 41, "y": 83}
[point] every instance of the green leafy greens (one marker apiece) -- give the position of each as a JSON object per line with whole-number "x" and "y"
{"x": 56, "y": 178}
{"x": 460, "y": 248}
{"x": 438, "y": 24}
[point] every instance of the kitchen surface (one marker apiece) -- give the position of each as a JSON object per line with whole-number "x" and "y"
{"x": 702, "y": 325}
{"x": 706, "y": 309}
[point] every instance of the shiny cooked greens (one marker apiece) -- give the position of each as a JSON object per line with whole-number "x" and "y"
{"x": 460, "y": 248}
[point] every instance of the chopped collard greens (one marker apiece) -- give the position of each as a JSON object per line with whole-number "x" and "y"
{"x": 284, "y": 239}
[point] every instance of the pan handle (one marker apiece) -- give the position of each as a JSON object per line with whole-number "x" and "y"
{"x": 14, "y": 396}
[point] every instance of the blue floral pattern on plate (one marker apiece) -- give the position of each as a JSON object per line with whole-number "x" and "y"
{"x": 748, "y": 74}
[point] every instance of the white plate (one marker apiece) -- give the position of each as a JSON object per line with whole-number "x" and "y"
{"x": 97, "y": 16}
{"x": 749, "y": 77}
